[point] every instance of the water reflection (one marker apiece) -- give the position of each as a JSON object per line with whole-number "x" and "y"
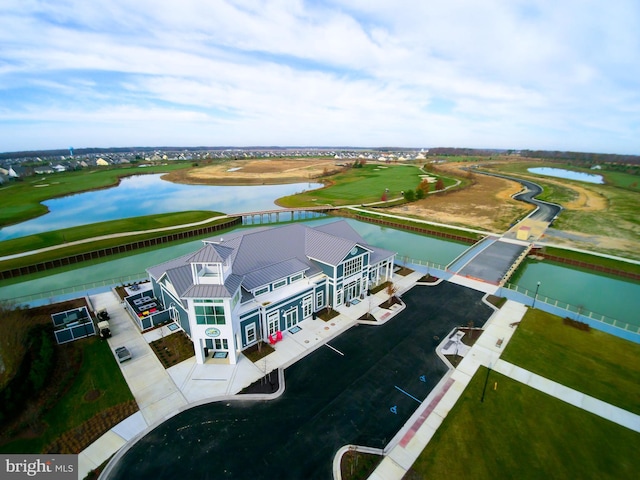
{"x": 147, "y": 195}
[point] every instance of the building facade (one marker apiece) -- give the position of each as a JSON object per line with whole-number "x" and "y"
{"x": 254, "y": 285}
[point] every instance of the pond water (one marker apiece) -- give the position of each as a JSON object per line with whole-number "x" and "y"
{"x": 614, "y": 298}
{"x": 568, "y": 174}
{"x": 414, "y": 246}
{"x": 147, "y": 195}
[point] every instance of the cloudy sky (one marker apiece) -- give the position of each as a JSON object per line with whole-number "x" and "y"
{"x": 537, "y": 74}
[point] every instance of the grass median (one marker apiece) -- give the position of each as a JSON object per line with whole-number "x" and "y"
{"x": 92, "y": 231}
{"x": 519, "y": 432}
{"x": 593, "y": 362}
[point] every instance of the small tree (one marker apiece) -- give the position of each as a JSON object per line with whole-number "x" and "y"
{"x": 410, "y": 195}
{"x": 439, "y": 184}
{"x": 423, "y": 187}
{"x": 391, "y": 289}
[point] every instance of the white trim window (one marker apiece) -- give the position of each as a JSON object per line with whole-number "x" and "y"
{"x": 319, "y": 299}
{"x": 250, "y": 333}
{"x": 352, "y": 266}
{"x": 307, "y": 303}
{"x": 273, "y": 322}
{"x": 261, "y": 291}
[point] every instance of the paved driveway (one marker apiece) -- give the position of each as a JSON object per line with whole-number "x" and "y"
{"x": 360, "y": 391}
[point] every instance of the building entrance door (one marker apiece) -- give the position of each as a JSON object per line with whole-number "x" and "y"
{"x": 351, "y": 291}
{"x": 291, "y": 318}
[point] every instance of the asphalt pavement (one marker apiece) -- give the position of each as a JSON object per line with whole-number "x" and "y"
{"x": 361, "y": 390}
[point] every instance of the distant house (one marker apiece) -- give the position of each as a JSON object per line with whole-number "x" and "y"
{"x": 101, "y": 162}
{"x": 257, "y": 285}
{"x": 19, "y": 172}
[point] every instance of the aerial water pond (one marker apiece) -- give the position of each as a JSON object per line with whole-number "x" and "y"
{"x": 568, "y": 174}
{"x": 147, "y": 195}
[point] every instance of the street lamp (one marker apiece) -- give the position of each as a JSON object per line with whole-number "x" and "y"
{"x": 533, "y": 305}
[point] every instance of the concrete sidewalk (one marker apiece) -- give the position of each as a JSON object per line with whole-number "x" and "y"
{"x": 161, "y": 393}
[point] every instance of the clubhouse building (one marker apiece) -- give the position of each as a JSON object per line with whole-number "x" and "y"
{"x": 253, "y": 285}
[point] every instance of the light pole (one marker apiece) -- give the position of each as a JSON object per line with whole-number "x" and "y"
{"x": 533, "y": 305}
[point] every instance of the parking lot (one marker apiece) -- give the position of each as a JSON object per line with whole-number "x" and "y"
{"x": 360, "y": 388}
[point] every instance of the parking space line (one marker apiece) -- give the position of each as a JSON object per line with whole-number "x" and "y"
{"x": 408, "y": 394}
{"x": 334, "y": 349}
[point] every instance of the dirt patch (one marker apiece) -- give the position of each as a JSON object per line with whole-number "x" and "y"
{"x": 485, "y": 204}
{"x": 255, "y": 172}
{"x": 92, "y": 395}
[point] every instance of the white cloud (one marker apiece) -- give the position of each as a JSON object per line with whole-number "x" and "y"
{"x": 500, "y": 73}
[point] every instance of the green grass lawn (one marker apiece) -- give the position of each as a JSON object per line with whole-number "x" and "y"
{"x": 595, "y": 363}
{"x": 22, "y": 200}
{"x": 360, "y": 185}
{"x": 99, "y": 371}
{"x": 521, "y": 433}
{"x": 66, "y": 235}
{"x": 592, "y": 259}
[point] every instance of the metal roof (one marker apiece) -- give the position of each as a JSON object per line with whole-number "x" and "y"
{"x": 262, "y": 255}
{"x": 215, "y": 291}
{"x": 207, "y": 254}
{"x": 273, "y": 272}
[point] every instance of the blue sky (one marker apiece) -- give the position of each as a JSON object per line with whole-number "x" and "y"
{"x": 547, "y": 74}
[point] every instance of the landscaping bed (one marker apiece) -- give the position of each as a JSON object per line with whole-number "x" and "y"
{"x": 255, "y": 352}
{"x": 356, "y": 465}
{"x": 267, "y": 384}
{"x": 327, "y": 314}
{"x": 173, "y": 349}
{"x": 428, "y": 278}
{"x": 389, "y": 303}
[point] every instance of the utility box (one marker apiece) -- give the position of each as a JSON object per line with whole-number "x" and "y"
{"x": 523, "y": 233}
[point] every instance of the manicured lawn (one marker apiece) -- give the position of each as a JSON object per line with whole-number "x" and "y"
{"x": 21, "y": 200}
{"x": 66, "y": 235}
{"x": 593, "y": 259}
{"x": 99, "y": 371}
{"x": 593, "y": 362}
{"x": 360, "y": 185}
{"x": 519, "y": 432}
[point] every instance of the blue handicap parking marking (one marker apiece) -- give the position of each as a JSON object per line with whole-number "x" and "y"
{"x": 423, "y": 378}
{"x": 394, "y": 410}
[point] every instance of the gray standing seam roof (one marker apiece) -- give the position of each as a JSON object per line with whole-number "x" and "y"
{"x": 263, "y": 255}
{"x": 273, "y": 272}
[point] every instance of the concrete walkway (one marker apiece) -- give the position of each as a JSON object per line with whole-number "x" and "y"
{"x": 161, "y": 393}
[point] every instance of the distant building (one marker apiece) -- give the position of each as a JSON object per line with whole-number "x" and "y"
{"x": 256, "y": 285}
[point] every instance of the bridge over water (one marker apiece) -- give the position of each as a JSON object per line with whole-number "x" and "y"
{"x": 283, "y": 214}
{"x": 494, "y": 258}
